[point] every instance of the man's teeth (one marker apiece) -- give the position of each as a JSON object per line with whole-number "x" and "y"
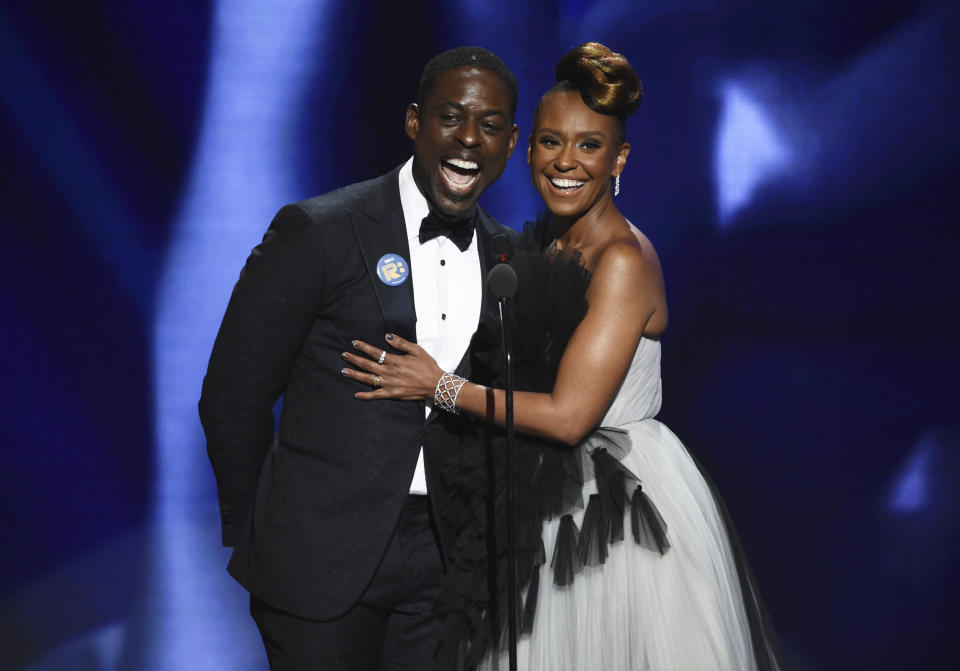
{"x": 457, "y": 180}
{"x": 566, "y": 183}
{"x": 463, "y": 165}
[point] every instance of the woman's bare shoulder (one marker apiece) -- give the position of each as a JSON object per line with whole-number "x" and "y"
{"x": 628, "y": 255}
{"x": 628, "y": 272}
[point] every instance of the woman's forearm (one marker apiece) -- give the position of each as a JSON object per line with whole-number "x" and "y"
{"x": 534, "y": 413}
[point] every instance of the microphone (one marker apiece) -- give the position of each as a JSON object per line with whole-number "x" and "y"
{"x": 502, "y": 283}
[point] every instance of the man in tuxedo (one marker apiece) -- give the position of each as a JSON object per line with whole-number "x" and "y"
{"x": 335, "y": 520}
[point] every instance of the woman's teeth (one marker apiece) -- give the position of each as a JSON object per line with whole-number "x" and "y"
{"x": 567, "y": 184}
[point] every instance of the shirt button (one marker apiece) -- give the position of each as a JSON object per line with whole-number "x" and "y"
{"x": 443, "y": 262}
{"x": 443, "y": 316}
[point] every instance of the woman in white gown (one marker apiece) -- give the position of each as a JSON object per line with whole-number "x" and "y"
{"x": 679, "y": 594}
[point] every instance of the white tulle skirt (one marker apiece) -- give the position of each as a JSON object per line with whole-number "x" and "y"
{"x": 681, "y": 611}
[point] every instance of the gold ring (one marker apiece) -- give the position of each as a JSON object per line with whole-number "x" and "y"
{"x": 383, "y": 356}
{"x": 376, "y": 380}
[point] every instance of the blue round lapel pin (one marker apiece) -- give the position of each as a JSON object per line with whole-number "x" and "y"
{"x": 393, "y": 269}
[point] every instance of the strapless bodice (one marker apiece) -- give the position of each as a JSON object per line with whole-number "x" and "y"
{"x": 640, "y": 394}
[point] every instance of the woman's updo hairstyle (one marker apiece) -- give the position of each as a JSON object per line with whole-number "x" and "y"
{"x": 605, "y": 80}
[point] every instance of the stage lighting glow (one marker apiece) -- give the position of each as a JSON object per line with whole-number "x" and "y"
{"x": 263, "y": 55}
{"x": 749, "y": 150}
{"x": 41, "y": 118}
{"x": 911, "y": 488}
{"x": 98, "y": 650}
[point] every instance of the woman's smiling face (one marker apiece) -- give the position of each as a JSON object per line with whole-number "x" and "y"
{"x": 573, "y": 154}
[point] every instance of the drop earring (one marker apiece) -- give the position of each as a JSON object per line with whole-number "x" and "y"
{"x": 616, "y": 186}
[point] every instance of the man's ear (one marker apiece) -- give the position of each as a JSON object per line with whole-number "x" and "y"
{"x": 513, "y": 139}
{"x": 412, "y": 123}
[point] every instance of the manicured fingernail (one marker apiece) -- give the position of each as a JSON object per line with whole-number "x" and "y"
{"x": 354, "y": 343}
{"x": 389, "y": 336}
{"x": 343, "y": 371}
{"x": 343, "y": 355}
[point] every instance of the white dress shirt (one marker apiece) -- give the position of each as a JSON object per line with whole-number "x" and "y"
{"x": 446, "y": 292}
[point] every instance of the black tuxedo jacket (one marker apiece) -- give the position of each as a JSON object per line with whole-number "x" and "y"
{"x": 311, "y": 510}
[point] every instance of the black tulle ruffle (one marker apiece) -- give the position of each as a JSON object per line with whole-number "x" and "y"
{"x": 549, "y": 304}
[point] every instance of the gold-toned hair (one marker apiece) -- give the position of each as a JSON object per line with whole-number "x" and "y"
{"x": 606, "y": 81}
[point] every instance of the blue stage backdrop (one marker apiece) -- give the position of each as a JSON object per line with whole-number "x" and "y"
{"x": 795, "y": 162}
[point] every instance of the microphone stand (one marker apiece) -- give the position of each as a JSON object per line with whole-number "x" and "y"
{"x": 512, "y": 597}
{"x": 502, "y": 283}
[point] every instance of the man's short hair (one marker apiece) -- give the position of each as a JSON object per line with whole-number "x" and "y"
{"x": 462, "y": 57}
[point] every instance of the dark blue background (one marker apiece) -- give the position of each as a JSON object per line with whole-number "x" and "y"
{"x": 795, "y": 163}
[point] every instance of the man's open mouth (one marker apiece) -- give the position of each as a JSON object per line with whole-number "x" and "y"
{"x": 459, "y": 174}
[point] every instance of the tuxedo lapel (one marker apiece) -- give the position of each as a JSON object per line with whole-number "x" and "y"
{"x": 382, "y": 234}
{"x": 492, "y": 245}
{"x": 493, "y": 242}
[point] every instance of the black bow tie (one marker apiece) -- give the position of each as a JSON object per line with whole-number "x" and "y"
{"x": 460, "y": 232}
